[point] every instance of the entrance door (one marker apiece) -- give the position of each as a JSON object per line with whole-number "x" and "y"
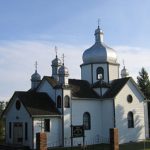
{"x": 18, "y": 133}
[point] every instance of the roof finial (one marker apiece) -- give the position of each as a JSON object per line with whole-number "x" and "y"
{"x": 124, "y": 71}
{"x": 56, "y": 50}
{"x": 98, "y": 22}
{"x": 63, "y": 58}
{"x": 123, "y": 62}
{"x": 36, "y": 64}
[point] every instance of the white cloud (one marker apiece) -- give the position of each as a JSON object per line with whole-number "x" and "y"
{"x": 17, "y": 60}
{"x": 135, "y": 58}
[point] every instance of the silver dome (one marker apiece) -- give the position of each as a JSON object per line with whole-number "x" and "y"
{"x": 124, "y": 72}
{"x": 56, "y": 62}
{"x": 35, "y": 76}
{"x": 63, "y": 70}
{"x": 99, "y": 52}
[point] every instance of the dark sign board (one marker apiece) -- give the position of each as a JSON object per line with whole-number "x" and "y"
{"x": 77, "y": 131}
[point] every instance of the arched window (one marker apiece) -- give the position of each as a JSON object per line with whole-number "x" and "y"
{"x": 18, "y": 105}
{"x": 67, "y": 101}
{"x": 86, "y": 121}
{"x": 129, "y": 98}
{"x": 100, "y": 73}
{"x": 130, "y": 118}
{"x": 58, "y": 101}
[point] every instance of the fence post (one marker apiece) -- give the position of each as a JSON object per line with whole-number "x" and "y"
{"x": 114, "y": 140}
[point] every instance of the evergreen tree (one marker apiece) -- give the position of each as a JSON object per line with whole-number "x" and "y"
{"x": 144, "y": 83}
{"x": 2, "y": 107}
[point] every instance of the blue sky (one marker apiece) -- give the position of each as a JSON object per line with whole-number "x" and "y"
{"x": 30, "y": 29}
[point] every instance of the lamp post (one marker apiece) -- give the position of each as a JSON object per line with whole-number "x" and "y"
{"x": 100, "y": 77}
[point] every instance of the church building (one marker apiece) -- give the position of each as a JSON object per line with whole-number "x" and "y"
{"x": 100, "y": 100}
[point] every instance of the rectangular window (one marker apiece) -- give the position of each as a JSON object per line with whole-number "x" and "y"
{"x": 47, "y": 125}
{"x": 10, "y": 130}
{"x": 26, "y": 131}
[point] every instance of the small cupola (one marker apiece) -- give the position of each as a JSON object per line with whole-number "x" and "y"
{"x": 124, "y": 72}
{"x": 63, "y": 74}
{"x": 56, "y": 64}
{"x": 99, "y": 35}
{"x": 35, "y": 78}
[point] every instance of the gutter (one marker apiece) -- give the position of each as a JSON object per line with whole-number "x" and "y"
{"x": 37, "y": 116}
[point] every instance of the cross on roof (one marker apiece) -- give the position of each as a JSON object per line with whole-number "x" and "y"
{"x": 123, "y": 62}
{"x": 63, "y": 58}
{"x": 36, "y": 64}
{"x": 98, "y": 22}
{"x": 56, "y": 49}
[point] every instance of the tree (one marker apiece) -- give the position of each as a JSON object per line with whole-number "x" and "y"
{"x": 144, "y": 83}
{"x": 2, "y": 107}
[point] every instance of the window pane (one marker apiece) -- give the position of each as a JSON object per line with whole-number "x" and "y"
{"x": 47, "y": 125}
{"x": 26, "y": 131}
{"x": 86, "y": 121}
{"x": 130, "y": 120}
{"x": 10, "y": 130}
{"x": 59, "y": 102}
{"x": 100, "y": 73}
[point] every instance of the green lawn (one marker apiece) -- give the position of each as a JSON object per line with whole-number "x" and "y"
{"x": 129, "y": 146}
{"x": 136, "y": 146}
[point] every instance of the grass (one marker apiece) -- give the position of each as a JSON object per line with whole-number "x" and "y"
{"x": 129, "y": 146}
{"x": 2, "y": 141}
{"x": 136, "y": 146}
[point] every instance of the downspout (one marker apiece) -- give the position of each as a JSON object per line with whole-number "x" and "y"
{"x": 114, "y": 113}
{"x": 71, "y": 119}
{"x": 32, "y": 134}
{"x": 62, "y": 117}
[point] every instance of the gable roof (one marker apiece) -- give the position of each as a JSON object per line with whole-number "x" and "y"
{"x": 117, "y": 85}
{"x": 50, "y": 80}
{"x": 82, "y": 89}
{"x": 79, "y": 88}
{"x": 37, "y": 103}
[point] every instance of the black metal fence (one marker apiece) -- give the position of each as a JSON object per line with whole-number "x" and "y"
{"x": 135, "y": 145}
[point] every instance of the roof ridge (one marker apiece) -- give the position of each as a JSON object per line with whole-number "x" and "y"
{"x": 115, "y": 87}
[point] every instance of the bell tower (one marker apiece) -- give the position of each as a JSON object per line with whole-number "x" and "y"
{"x": 35, "y": 78}
{"x": 56, "y": 64}
{"x": 99, "y": 61}
{"x": 63, "y": 73}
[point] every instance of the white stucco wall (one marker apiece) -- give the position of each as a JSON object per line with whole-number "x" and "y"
{"x": 67, "y": 119}
{"x": 18, "y": 116}
{"x": 54, "y": 137}
{"x": 86, "y": 73}
{"x": 89, "y": 71}
{"x": 123, "y": 107}
{"x": 79, "y": 107}
{"x": 113, "y": 72}
{"x": 47, "y": 88}
{"x": 107, "y": 118}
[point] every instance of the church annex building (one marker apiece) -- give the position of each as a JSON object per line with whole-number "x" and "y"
{"x": 100, "y": 100}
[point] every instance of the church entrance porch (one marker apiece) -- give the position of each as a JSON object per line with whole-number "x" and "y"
{"x": 17, "y": 133}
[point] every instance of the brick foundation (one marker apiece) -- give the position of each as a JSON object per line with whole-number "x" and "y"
{"x": 114, "y": 139}
{"x": 41, "y": 141}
